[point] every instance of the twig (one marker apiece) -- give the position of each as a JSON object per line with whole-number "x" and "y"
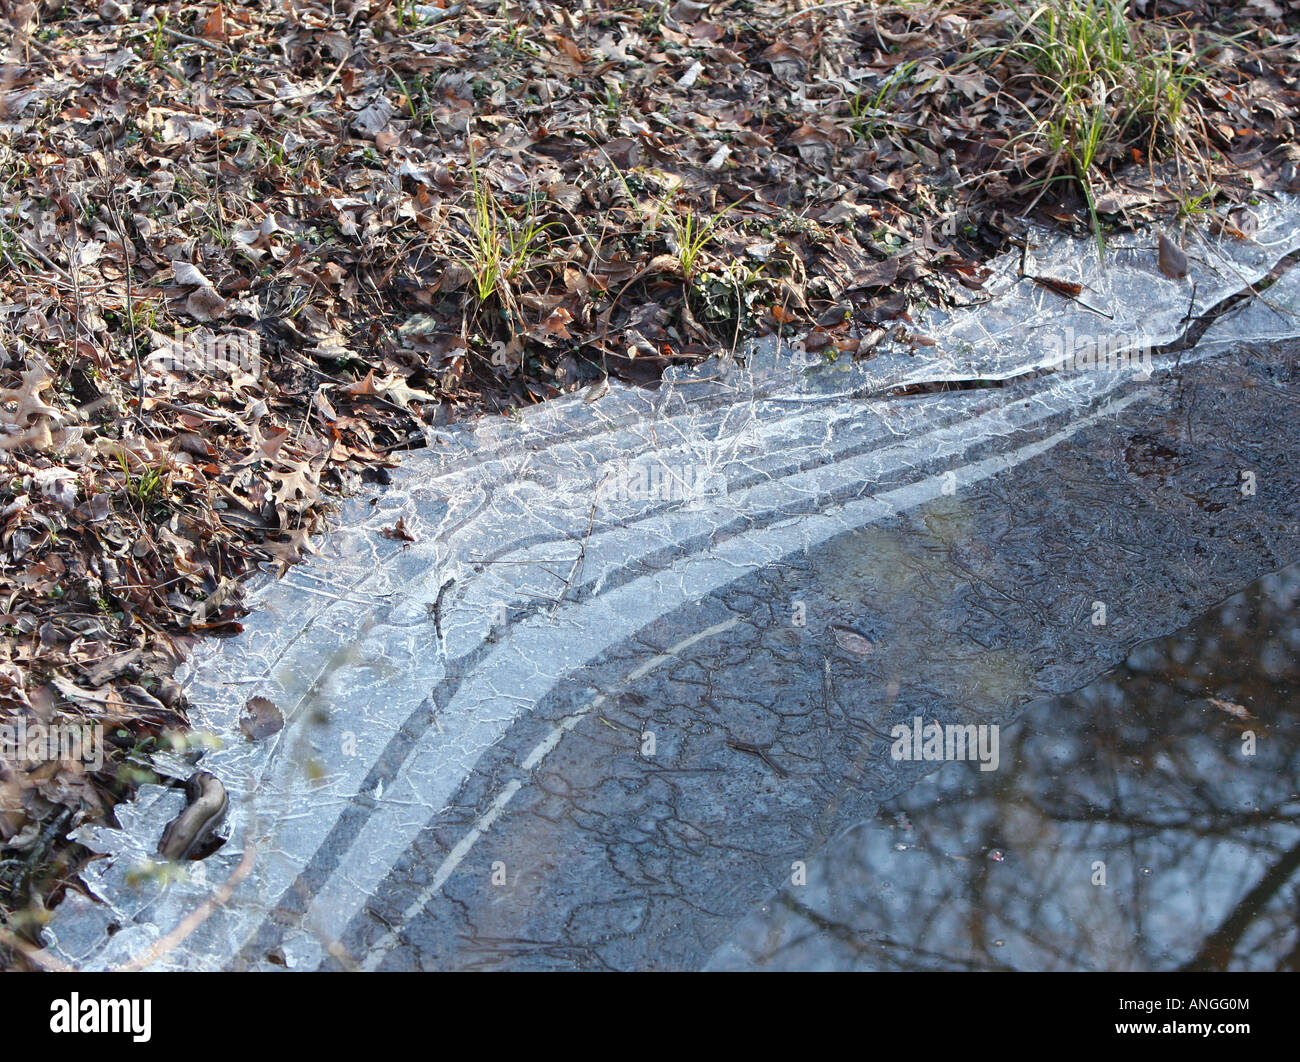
{"x": 39, "y": 956}
{"x": 760, "y": 751}
{"x": 582, "y": 553}
{"x": 130, "y": 303}
{"x": 197, "y": 917}
{"x": 292, "y": 96}
{"x": 437, "y": 606}
{"x": 1056, "y": 288}
{"x": 214, "y": 45}
{"x": 33, "y": 249}
{"x": 38, "y": 849}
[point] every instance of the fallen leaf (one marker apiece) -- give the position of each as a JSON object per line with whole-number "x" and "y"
{"x": 261, "y": 719}
{"x": 1231, "y": 707}
{"x": 848, "y": 638}
{"x": 398, "y": 531}
{"x": 214, "y": 28}
{"x": 1172, "y": 260}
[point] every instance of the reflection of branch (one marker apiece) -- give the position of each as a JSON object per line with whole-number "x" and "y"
{"x": 1219, "y": 945}
{"x": 1215, "y": 822}
{"x": 865, "y": 945}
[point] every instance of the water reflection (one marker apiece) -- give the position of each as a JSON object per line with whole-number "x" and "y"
{"x": 1148, "y": 821}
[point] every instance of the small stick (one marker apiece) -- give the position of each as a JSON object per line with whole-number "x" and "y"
{"x": 760, "y": 751}
{"x": 577, "y": 561}
{"x": 33, "y": 249}
{"x": 1067, "y": 290}
{"x": 130, "y": 304}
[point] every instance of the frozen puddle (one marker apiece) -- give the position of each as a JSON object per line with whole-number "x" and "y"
{"x": 648, "y": 648}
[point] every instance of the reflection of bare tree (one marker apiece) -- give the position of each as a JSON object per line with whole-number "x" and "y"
{"x": 1143, "y": 776}
{"x": 1216, "y": 953}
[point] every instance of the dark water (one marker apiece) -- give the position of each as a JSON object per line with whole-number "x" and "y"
{"x": 1150, "y": 821}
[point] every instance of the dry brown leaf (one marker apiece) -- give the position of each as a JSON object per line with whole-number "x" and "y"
{"x": 853, "y": 641}
{"x": 1172, "y": 260}
{"x": 260, "y": 719}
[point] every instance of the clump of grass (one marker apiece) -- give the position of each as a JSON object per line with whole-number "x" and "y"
{"x": 418, "y": 103}
{"x": 516, "y": 35}
{"x": 1195, "y": 204}
{"x": 406, "y": 16}
{"x": 689, "y": 232}
{"x": 499, "y": 249}
{"x": 613, "y": 101}
{"x": 1110, "y": 85}
{"x": 867, "y": 110}
{"x": 156, "y": 42}
{"x": 149, "y": 486}
{"x": 690, "y": 235}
